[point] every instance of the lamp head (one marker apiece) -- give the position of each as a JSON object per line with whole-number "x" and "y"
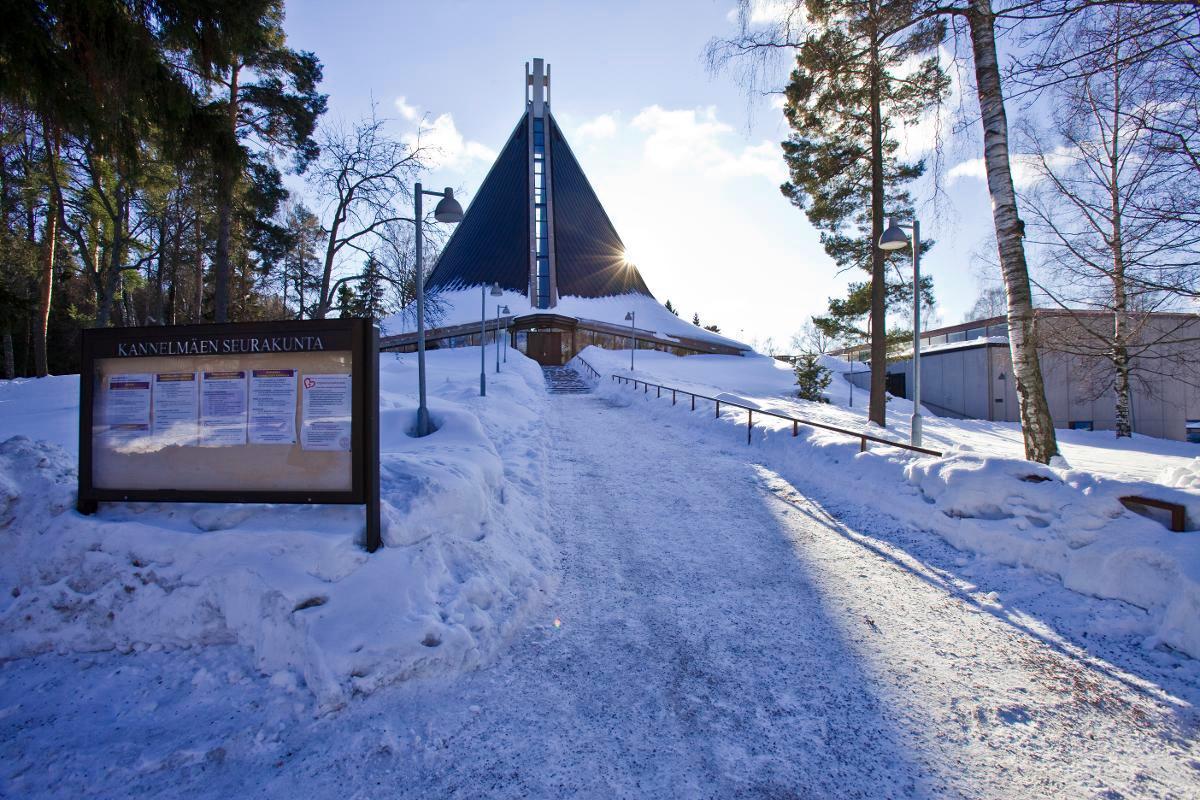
{"x": 894, "y": 238}
{"x": 448, "y": 209}
{"x": 629, "y": 316}
{"x": 496, "y": 292}
{"x": 505, "y": 310}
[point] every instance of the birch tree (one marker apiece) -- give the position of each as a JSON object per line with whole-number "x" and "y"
{"x": 1102, "y": 210}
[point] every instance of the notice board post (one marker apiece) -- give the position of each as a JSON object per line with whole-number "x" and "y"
{"x": 263, "y": 412}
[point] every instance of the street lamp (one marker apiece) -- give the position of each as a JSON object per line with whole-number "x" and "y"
{"x": 500, "y": 309}
{"x": 483, "y": 293}
{"x": 447, "y": 210}
{"x": 894, "y": 238}
{"x": 629, "y": 315}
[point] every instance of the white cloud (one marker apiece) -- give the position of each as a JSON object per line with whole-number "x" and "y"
{"x": 695, "y": 140}
{"x": 404, "y": 109}
{"x": 1027, "y": 170}
{"x": 766, "y": 12}
{"x": 446, "y": 147}
{"x": 602, "y": 127}
{"x": 919, "y": 138}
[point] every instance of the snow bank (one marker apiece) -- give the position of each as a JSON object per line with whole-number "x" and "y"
{"x": 466, "y": 559}
{"x": 1059, "y": 521}
{"x": 1186, "y": 476}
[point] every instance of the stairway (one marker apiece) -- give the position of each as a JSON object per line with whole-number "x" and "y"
{"x": 564, "y": 380}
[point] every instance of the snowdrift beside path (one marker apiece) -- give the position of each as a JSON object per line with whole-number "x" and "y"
{"x": 465, "y": 560}
{"x": 1059, "y": 521}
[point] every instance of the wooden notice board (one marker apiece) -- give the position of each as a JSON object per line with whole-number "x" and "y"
{"x": 270, "y": 412}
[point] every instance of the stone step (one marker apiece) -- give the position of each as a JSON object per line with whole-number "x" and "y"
{"x": 564, "y": 380}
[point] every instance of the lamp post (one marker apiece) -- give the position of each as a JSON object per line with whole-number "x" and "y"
{"x": 629, "y": 315}
{"x": 447, "y": 210}
{"x": 506, "y": 311}
{"x": 852, "y": 379}
{"x": 483, "y": 293}
{"x": 894, "y": 238}
{"x": 498, "y": 310}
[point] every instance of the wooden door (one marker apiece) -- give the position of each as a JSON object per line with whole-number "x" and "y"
{"x": 545, "y": 347}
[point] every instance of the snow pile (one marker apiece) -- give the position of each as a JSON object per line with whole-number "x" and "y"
{"x": 466, "y": 559}
{"x": 1059, "y": 521}
{"x": 1186, "y": 476}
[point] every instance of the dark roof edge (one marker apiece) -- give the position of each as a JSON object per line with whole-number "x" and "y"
{"x": 563, "y": 138}
{"x": 495, "y": 163}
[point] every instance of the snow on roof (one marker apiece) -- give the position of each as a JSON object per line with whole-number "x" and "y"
{"x": 463, "y": 306}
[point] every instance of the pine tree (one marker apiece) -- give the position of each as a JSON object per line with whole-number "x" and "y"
{"x": 301, "y": 264}
{"x": 371, "y": 293}
{"x": 854, "y": 81}
{"x": 270, "y": 98}
{"x": 672, "y": 308}
{"x": 812, "y": 379}
{"x": 348, "y": 304}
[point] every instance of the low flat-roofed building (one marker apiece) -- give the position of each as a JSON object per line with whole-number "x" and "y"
{"x": 966, "y": 372}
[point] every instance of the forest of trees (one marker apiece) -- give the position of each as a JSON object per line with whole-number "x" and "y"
{"x": 143, "y": 149}
{"x": 1112, "y": 134}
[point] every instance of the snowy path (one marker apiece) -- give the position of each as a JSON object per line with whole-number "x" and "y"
{"x": 723, "y": 634}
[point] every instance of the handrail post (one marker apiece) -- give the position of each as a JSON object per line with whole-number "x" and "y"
{"x": 659, "y": 390}
{"x": 718, "y": 409}
{"x": 749, "y": 424}
{"x": 693, "y": 402}
{"x": 795, "y": 427}
{"x": 672, "y": 397}
{"x": 862, "y": 448}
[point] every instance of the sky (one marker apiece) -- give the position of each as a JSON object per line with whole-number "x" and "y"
{"x": 687, "y": 165}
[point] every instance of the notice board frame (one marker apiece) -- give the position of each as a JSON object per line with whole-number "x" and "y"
{"x": 362, "y": 338}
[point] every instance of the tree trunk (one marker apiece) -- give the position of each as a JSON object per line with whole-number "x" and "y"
{"x": 324, "y": 294}
{"x": 112, "y": 279}
{"x": 1037, "y": 426}
{"x": 198, "y": 297}
{"x": 1120, "y": 353}
{"x": 45, "y": 289}
{"x": 10, "y": 362}
{"x": 41, "y": 363}
{"x": 1124, "y": 422}
{"x": 226, "y": 178}
{"x": 877, "y": 412}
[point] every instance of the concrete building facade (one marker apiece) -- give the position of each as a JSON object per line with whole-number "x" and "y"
{"x": 966, "y": 373}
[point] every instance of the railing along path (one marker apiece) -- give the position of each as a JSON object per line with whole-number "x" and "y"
{"x": 796, "y": 421}
{"x": 591, "y": 370}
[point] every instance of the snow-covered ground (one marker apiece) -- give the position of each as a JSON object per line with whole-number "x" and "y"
{"x": 725, "y": 627}
{"x": 466, "y": 556}
{"x": 1064, "y": 522}
{"x": 771, "y": 384}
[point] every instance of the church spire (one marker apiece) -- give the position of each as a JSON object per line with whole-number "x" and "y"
{"x": 543, "y": 288}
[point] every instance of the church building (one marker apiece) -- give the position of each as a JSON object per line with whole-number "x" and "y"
{"x": 537, "y": 230}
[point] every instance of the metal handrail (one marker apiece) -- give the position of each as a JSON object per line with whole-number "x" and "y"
{"x": 796, "y": 422}
{"x": 590, "y": 368}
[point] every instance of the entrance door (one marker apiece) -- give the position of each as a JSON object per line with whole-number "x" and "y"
{"x": 544, "y": 347}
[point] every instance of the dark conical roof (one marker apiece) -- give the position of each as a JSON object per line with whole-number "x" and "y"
{"x": 590, "y": 255}
{"x": 492, "y": 243}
